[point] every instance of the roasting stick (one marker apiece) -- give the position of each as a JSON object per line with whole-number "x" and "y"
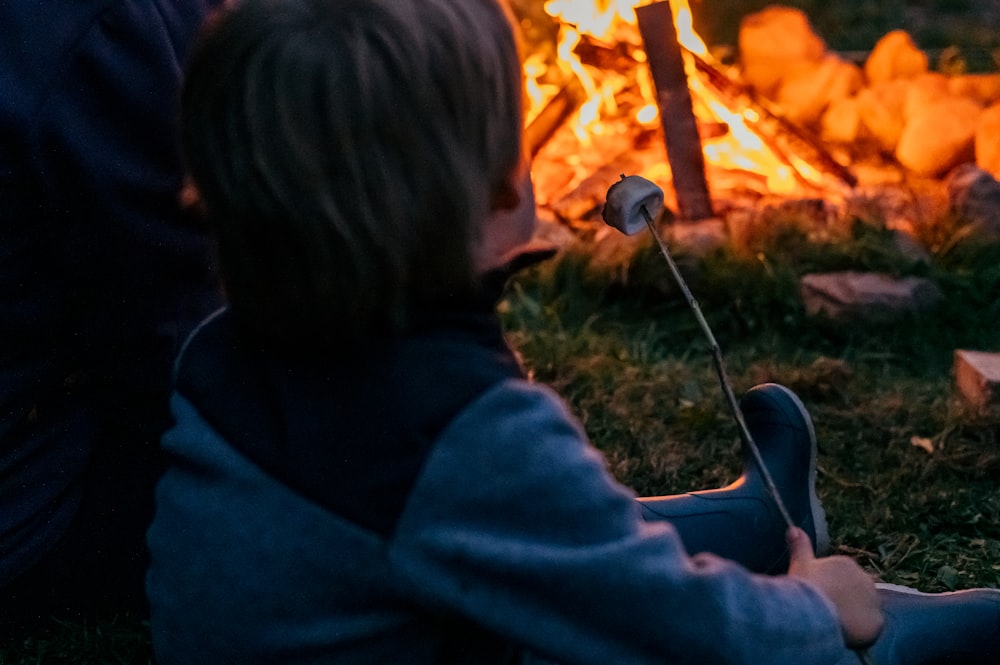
{"x": 627, "y": 210}
{"x": 638, "y": 195}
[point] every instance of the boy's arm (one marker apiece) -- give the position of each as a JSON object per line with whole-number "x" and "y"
{"x": 516, "y": 524}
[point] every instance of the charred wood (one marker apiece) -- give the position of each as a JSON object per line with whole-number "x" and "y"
{"x": 592, "y": 190}
{"x": 680, "y": 128}
{"x": 553, "y": 115}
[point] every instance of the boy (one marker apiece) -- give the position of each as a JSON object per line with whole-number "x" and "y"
{"x": 361, "y": 472}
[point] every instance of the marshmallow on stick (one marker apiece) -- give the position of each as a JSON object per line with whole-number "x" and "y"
{"x": 629, "y": 201}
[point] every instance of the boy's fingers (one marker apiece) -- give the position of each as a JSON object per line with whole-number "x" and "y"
{"x": 799, "y": 545}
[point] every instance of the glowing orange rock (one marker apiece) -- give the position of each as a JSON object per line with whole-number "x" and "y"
{"x": 987, "y": 141}
{"x": 777, "y": 43}
{"x": 940, "y": 137}
{"x": 895, "y": 56}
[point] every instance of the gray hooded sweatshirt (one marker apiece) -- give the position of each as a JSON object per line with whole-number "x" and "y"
{"x": 428, "y": 504}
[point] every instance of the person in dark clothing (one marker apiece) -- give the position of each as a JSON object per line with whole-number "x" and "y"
{"x": 103, "y": 273}
{"x": 360, "y": 470}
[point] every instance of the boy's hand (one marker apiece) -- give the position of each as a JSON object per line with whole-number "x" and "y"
{"x": 845, "y": 583}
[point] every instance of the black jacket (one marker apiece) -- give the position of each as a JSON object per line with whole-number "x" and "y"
{"x": 102, "y": 273}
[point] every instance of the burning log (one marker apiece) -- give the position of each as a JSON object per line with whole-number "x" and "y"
{"x": 680, "y": 129}
{"x": 783, "y": 136}
{"x": 555, "y": 113}
{"x": 796, "y": 140}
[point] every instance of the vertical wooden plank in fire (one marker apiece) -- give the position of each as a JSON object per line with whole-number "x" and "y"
{"x": 680, "y": 129}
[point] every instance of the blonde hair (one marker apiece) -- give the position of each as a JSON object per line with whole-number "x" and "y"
{"x": 347, "y": 152}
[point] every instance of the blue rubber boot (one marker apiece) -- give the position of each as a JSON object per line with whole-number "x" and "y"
{"x": 955, "y": 628}
{"x": 742, "y": 521}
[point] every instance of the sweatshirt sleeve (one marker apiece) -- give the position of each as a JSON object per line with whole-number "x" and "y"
{"x": 516, "y": 523}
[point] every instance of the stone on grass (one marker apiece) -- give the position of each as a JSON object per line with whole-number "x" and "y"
{"x": 699, "y": 238}
{"x": 977, "y": 376}
{"x": 974, "y": 196}
{"x": 853, "y": 295}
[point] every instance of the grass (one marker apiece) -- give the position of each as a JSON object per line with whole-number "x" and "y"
{"x": 107, "y": 640}
{"x": 636, "y": 369}
{"x": 630, "y": 359}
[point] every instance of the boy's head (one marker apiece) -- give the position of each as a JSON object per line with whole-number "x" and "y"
{"x": 349, "y": 154}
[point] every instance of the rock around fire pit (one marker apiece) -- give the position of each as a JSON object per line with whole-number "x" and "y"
{"x": 893, "y": 102}
{"x": 873, "y": 296}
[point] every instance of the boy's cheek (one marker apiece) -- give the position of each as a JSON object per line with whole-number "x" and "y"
{"x": 522, "y": 220}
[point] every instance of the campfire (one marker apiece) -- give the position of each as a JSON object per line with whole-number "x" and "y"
{"x": 790, "y": 122}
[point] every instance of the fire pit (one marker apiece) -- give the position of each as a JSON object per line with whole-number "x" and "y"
{"x": 790, "y": 124}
